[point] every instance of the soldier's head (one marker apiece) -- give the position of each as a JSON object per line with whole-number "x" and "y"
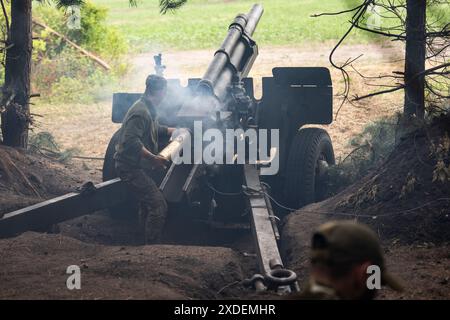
{"x": 347, "y": 257}
{"x": 155, "y": 89}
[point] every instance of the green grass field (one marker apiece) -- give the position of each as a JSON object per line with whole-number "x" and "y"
{"x": 203, "y": 23}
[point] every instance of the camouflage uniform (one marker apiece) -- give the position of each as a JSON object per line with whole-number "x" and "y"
{"x": 141, "y": 129}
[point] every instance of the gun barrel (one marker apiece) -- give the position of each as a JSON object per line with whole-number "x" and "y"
{"x": 235, "y": 57}
{"x": 254, "y": 16}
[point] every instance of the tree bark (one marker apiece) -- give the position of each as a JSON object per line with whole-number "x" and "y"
{"x": 415, "y": 58}
{"x": 16, "y": 90}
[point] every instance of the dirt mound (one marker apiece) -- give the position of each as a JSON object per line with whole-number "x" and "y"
{"x": 26, "y": 179}
{"x": 146, "y": 272}
{"x": 403, "y": 204}
{"x": 402, "y": 199}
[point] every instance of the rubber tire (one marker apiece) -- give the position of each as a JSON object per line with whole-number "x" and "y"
{"x": 109, "y": 170}
{"x": 300, "y": 183}
{"x": 129, "y": 209}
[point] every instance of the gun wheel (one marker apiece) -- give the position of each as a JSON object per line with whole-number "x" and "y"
{"x": 310, "y": 155}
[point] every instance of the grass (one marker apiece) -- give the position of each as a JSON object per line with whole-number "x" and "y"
{"x": 202, "y": 24}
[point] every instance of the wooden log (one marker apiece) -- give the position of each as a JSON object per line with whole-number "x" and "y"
{"x": 88, "y": 54}
{"x": 40, "y": 216}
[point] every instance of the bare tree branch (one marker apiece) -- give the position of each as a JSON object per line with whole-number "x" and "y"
{"x": 426, "y": 72}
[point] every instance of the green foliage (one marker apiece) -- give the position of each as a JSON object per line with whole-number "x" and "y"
{"x": 95, "y": 34}
{"x": 70, "y": 78}
{"x": 62, "y": 74}
{"x": 45, "y": 144}
{"x": 203, "y": 24}
{"x": 95, "y": 88}
{"x": 43, "y": 140}
{"x": 3, "y": 38}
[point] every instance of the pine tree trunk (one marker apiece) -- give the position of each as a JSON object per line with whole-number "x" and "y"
{"x": 415, "y": 58}
{"x": 16, "y": 90}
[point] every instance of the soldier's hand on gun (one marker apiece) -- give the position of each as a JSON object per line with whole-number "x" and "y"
{"x": 154, "y": 161}
{"x": 159, "y": 163}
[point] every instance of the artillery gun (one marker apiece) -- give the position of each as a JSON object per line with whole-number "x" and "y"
{"x": 223, "y": 99}
{"x": 292, "y": 98}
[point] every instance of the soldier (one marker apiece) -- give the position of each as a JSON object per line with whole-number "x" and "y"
{"x": 137, "y": 148}
{"x": 341, "y": 254}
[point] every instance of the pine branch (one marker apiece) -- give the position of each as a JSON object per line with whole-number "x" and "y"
{"x": 170, "y": 5}
{"x": 64, "y": 3}
{"x": 67, "y": 3}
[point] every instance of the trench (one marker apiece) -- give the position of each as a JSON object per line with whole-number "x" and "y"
{"x": 181, "y": 232}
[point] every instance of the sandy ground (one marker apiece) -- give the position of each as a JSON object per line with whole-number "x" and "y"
{"x": 89, "y": 128}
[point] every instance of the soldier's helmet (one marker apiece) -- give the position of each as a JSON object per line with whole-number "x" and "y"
{"x": 155, "y": 83}
{"x": 343, "y": 243}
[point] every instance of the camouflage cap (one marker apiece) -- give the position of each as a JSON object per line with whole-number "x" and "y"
{"x": 155, "y": 83}
{"x": 347, "y": 242}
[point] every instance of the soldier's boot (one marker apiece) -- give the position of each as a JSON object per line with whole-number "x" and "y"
{"x": 154, "y": 224}
{"x": 142, "y": 218}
